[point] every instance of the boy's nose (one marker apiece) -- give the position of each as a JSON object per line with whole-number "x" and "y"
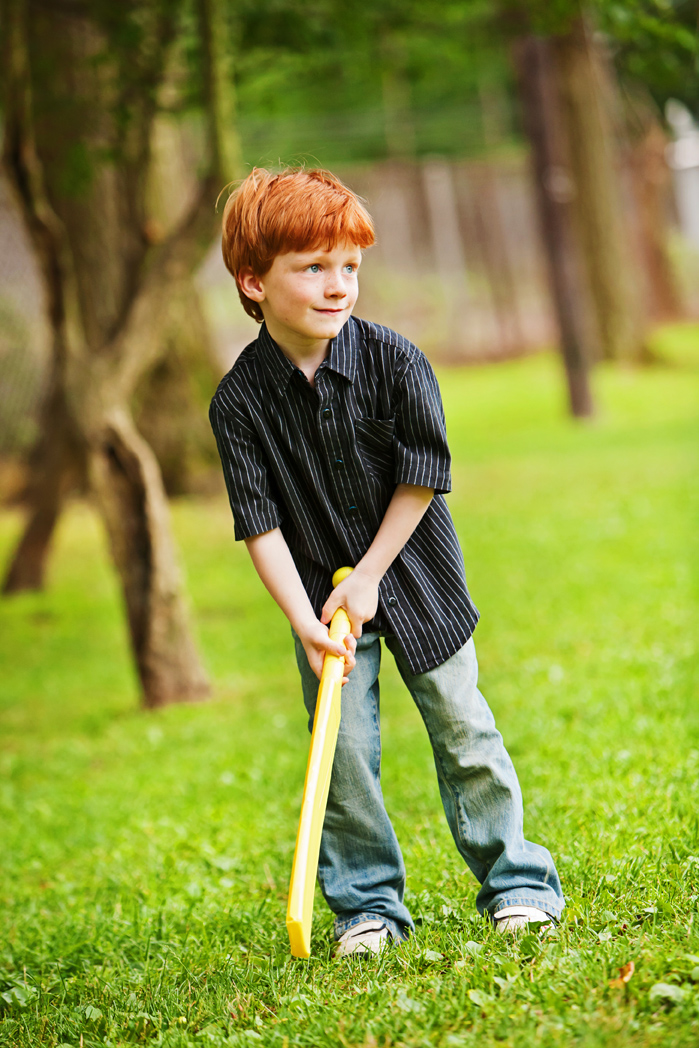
{"x": 334, "y": 287}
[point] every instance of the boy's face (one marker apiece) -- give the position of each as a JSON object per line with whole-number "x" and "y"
{"x": 307, "y": 296}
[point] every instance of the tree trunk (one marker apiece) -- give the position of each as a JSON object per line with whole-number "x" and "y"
{"x": 611, "y": 271}
{"x": 57, "y": 465}
{"x": 126, "y": 479}
{"x": 545, "y": 130}
{"x": 651, "y": 178}
{"x": 399, "y": 127}
{"x": 80, "y": 170}
{"x": 171, "y": 406}
{"x": 494, "y": 249}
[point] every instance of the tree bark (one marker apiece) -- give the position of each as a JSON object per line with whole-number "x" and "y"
{"x": 59, "y": 441}
{"x": 501, "y": 278}
{"x": 68, "y": 89}
{"x": 611, "y": 271}
{"x": 57, "y": 466}
{"x": 651, "y": 178}
{"x": 170, "y": 406}
{"x": 126, "y": 479}
{"x": 554, "y": 186}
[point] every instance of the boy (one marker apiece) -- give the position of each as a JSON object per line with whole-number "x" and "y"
{"x": 332, "y": 438}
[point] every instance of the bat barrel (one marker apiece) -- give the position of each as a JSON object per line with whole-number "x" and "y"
{"x": 326, "y": 725}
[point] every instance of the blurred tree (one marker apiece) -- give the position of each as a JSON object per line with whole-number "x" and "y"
{"x": 82, "y": 83}
{"x": 588, "y": 91}
{"x": 654, "y": 46}
{"x": 170, "y": 404}
{"x": 651, "y": 180}
{"x": 171, "y": 400}
{"x": 602, "y": 278}
{"x": 613, "y": 274}
{"x": 550, "y": 151}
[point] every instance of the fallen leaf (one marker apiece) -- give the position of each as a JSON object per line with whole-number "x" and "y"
{"x": 408, "y": 1004}
{"x": 667, "y": 992}
{"x": 625, "y": 974}
{"x": 479, "y": 998}
{"x": 473, "y": 947}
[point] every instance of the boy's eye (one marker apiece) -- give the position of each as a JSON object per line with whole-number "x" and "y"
{"x": 314, "y": 268}
{"x": 349, "y": 268}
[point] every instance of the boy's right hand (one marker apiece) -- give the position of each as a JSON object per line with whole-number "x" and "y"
{"x": 316, "y": 642}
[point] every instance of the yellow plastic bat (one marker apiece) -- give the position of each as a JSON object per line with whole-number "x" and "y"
{"x": 326, "y": 724}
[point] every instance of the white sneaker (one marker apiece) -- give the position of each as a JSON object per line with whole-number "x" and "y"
{"x": 518, "y": 918}
{"x": 367, "y": 937}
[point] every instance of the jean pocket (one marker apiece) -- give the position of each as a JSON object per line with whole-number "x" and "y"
{"x": 374, "y": 437}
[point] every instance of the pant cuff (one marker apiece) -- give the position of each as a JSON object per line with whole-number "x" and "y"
{"x": 553, "y": 909}
{"x": 398, "y": 932}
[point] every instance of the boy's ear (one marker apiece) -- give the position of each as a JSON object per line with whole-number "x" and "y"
{"x": 251, "y": 285}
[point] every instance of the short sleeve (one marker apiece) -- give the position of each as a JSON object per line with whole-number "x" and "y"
{"x": 245, "y": 468}
{"x": 421, "y": 452}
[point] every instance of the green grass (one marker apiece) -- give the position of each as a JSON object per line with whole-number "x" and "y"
{"x": 145, "y": 857}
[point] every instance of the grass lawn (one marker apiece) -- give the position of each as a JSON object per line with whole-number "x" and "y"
{"x": 145, "y": 857}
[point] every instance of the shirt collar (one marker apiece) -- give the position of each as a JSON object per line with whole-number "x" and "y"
{"x": 278, "y": 368}
{"x": 342, "y": 357}
{"x": 343, "y": 351}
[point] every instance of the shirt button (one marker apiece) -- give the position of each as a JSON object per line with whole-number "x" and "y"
{"x": 392, "y": 601}
{"x": 351, "y": 510}
{"x": 339, "y": 464}
{"x": 327, "y": 412}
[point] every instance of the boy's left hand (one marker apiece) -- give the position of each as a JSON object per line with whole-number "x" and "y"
{"x": 358, "y": 594}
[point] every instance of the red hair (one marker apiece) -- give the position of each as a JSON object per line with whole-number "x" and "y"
{"x": 296, "y": 210}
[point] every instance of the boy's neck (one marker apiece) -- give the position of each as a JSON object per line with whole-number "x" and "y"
{"x": 305, "y": 354}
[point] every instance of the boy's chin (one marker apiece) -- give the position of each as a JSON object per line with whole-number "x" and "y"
{"x": 327, "y": 327}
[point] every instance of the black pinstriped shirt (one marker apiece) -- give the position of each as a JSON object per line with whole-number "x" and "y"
{"x": 322, "y": 464}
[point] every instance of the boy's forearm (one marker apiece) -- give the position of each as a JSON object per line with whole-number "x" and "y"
{"x": 405, "y": 511}
{"x": 359, "y": 592}
{"x": 275, "y": 566}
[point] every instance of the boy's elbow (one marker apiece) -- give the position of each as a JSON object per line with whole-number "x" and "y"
{"x": 253, "y": 540}
{"x": 418, "y": 491}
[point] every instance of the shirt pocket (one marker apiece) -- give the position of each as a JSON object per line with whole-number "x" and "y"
{"x": 374, "y": 437}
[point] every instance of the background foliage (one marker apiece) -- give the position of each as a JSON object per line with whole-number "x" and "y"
{"x": 332, "y": 74}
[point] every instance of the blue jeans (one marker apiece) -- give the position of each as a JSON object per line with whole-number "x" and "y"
{"x": 361, "y": 870}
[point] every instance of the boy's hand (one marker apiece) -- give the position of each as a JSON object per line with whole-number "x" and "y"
{"x": 316, "y": 642}
{"x": 358, "y": 594}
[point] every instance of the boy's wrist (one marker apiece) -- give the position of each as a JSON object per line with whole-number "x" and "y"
{"x": 372, "y": 572}
{"x": 304, "y": 624}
